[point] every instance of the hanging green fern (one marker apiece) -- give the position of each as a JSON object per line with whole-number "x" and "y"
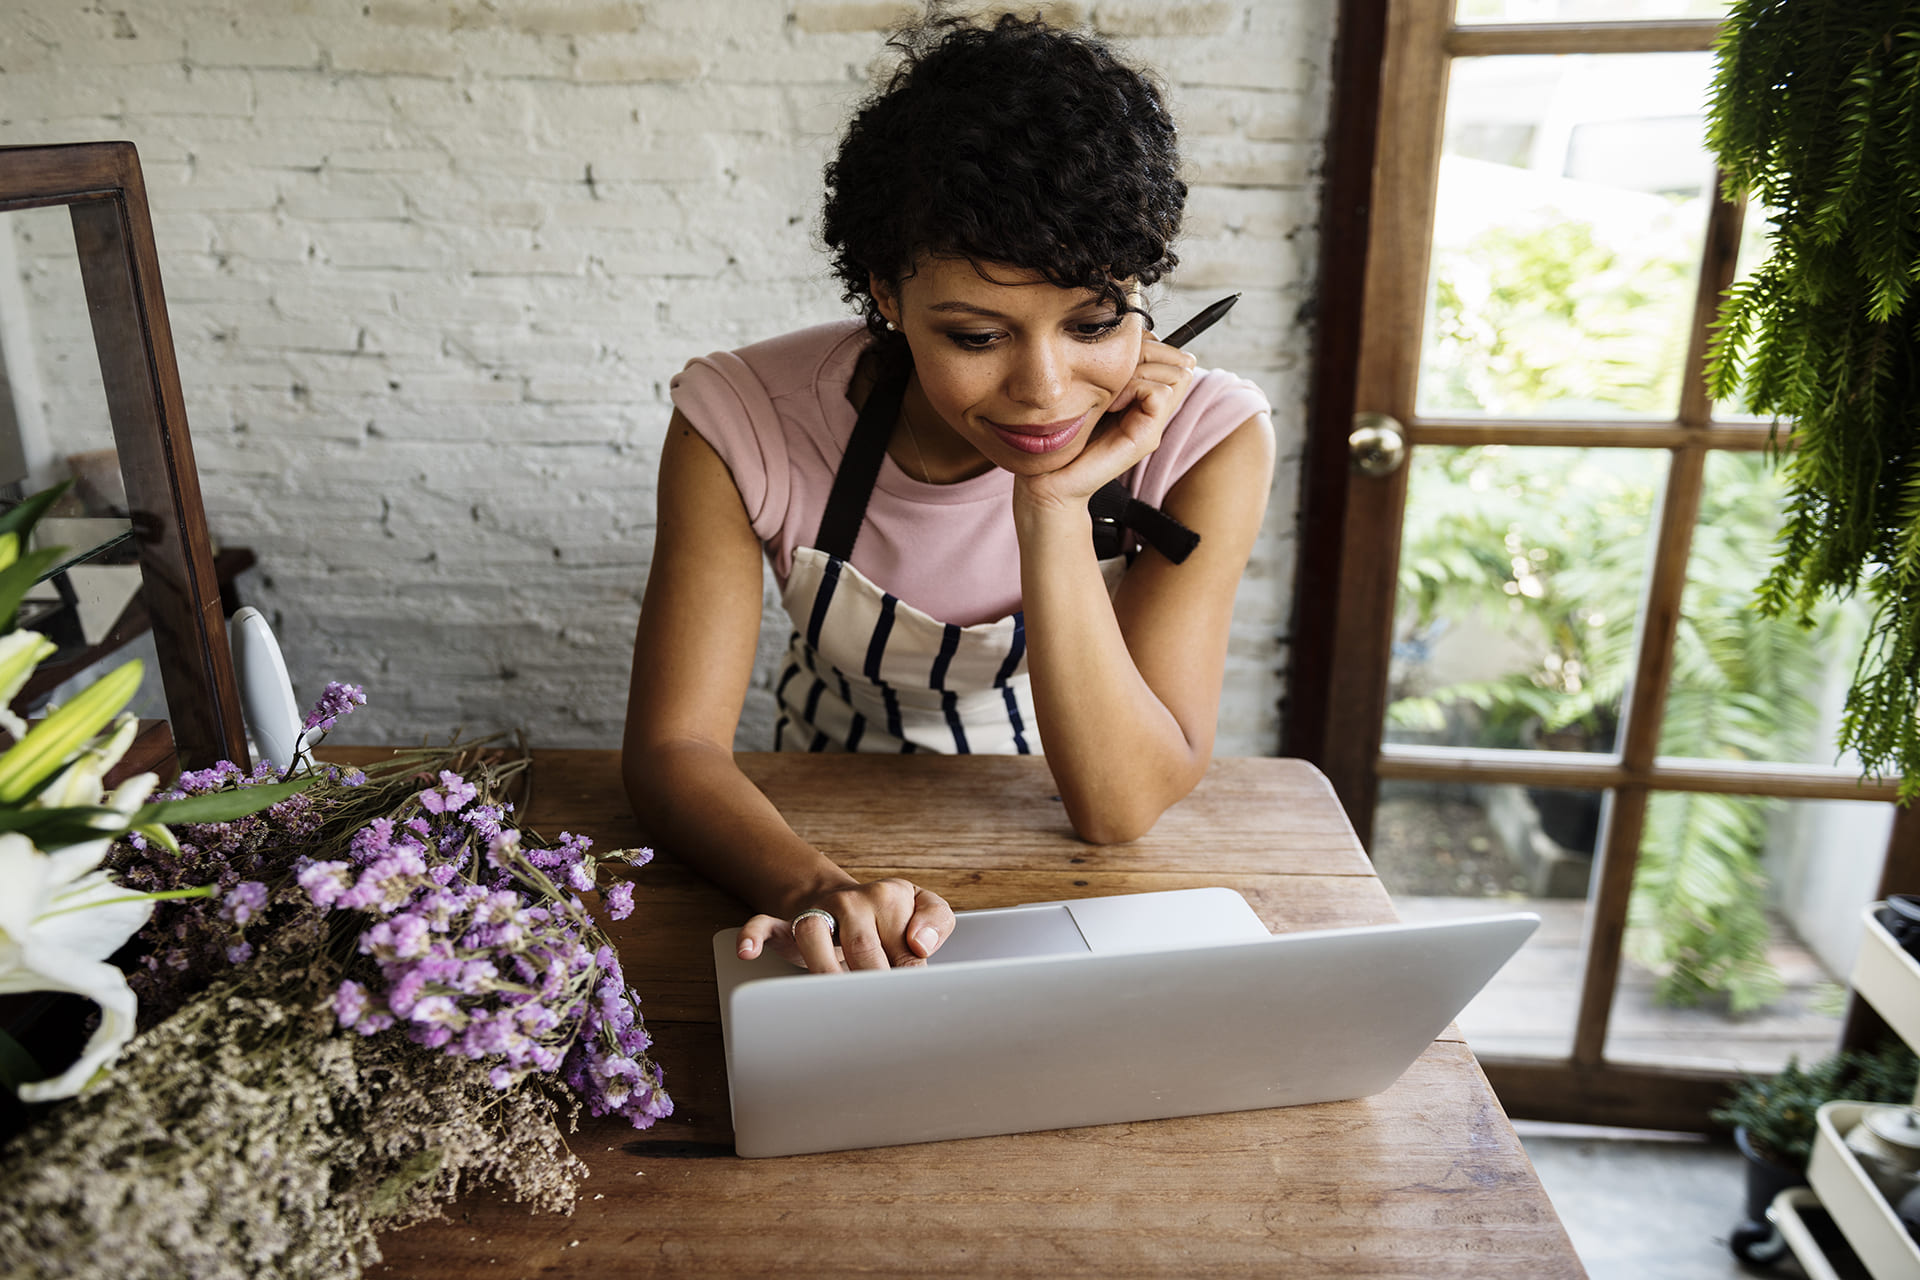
{"x": 1816, "y": 116}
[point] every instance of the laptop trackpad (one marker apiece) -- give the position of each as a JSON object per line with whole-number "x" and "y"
{"x": 1011, "y": 931}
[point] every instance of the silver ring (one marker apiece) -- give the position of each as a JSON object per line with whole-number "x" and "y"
{"x": 833, "y": 926}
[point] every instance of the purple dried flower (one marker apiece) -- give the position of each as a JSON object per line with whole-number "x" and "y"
{"x": 324, "y": 882}
{"x": 435, "y": 1009}
{"x": 240, "y": 953}
{"x": 484, "y": 819}
{"x": 338, "y": 700}
{"x": 244, "y": 901}
{"x": 350, "y": 1003}
{"x": 373, "y": 839}
{"x": 409, "y": 936}
{"x": 452, "y": 793}
{"x": 213, "y": 778}
{"x": 406, "y": 993}
{"x": 477, "y": 976}
{"x": 433, "y": 1036}
{"x": 619, "y": 900}
{"x": 502, "y": 848}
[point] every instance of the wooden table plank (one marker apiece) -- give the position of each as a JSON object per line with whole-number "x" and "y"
{"x": 1426, "y": 1179}
{"x": 1253, "y": 815}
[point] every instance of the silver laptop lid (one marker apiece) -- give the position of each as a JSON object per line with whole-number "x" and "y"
{"x": 1171, "y": 1004}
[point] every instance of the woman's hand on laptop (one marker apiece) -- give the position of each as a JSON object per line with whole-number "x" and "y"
{"x": 882, "y": 924}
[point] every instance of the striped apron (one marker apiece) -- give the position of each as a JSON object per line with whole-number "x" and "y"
{"x": 866, "y": 671}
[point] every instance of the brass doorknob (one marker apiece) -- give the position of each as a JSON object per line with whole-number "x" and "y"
{"x": 1377, "y": 446}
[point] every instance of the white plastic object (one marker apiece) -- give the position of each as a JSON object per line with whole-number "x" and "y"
{"x": 1887, "y": 977}
{"x": 1785, "y": 1214}
{"x": 266, "y": 694}
{"x": 1856, "y": 1205}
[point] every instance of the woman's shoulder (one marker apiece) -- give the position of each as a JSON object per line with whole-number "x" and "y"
{"x": 1217, "y": 393}
{"x": 772, "y": 411}
{"x": 1217, "y": 404}
{"x": 785, "y": 365}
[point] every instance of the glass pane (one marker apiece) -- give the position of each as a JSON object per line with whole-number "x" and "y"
{"x": 54, "y": 426}
{"x": 1472, "y": 11}
{"x": 81, "y": 540}
{"x": 1744, "y": 926}
{"x": 1521, "y": 572}
{"x": 52, "y": 404}
{"x": 1746, "y": 686}
{"x": 1568, "y": 230}
{"x": 1450, "y": 851}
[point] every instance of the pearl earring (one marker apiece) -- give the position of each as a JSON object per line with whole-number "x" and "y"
{"x": 891, "y": 328}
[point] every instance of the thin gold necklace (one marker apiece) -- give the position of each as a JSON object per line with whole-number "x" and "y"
{"x": 913, "y": 437}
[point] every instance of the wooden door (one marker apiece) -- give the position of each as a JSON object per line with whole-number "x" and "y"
{"x": 1566, "y": 397}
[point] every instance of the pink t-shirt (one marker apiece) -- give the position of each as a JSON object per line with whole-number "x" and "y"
{"x": 777, "y": 414}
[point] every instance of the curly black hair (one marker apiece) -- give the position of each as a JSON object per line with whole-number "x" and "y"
{"x": 1018, "y": 143}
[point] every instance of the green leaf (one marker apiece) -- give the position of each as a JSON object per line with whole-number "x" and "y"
{"x": 21, "y": 517}
{"x": 17, "y": 578}
{"x": 58, "y": 828}
{"x": 220, "y": 806}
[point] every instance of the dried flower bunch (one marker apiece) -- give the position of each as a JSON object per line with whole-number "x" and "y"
{"x": 244, "y": 1137}
{"x": 358, "y": 993}
{"x": 444, "y": 921}
{"x": 390, "y": 992}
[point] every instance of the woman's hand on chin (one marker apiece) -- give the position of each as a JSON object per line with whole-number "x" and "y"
{"x": 883, "y": 924}
{"x": 1128, "y": 431}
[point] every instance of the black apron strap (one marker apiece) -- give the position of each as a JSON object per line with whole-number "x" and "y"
{"x": 860, "y": 464}
{"x": 1114, "y": 511}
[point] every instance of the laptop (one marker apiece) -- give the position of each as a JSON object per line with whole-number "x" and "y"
{"x": 1094, "y": 1011}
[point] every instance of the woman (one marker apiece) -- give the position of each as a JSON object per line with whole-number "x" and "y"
{"x": 921, "y": 484}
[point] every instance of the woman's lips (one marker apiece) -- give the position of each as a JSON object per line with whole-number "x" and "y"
{"x": 1041, "y": 437}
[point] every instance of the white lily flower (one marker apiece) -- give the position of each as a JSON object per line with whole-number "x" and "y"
{"x": 126, "y": 800}
{"x": 20, "y": 652}
{"x": 83, "y": 781}
{"x": 59, "y": 921}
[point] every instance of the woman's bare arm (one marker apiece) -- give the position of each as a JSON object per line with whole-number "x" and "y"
{"x": 1128, "y": 693}
{"x": 692, "y": 660}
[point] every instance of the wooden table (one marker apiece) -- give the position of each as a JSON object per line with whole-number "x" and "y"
{"x": 1424, "y": 1180}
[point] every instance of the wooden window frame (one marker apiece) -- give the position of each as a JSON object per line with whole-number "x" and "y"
{"x": 1394, "y": 64}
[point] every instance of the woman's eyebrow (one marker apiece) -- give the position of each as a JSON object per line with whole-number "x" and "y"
{"x": 968, "y": 308}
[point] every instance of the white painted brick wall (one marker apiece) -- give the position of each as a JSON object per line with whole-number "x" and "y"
{"x": 430, "y": 266}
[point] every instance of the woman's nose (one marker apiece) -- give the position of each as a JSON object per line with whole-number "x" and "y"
{"x": 1040, "y": 376}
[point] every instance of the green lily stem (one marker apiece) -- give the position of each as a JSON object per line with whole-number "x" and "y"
{"x": 204, "y": 891}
